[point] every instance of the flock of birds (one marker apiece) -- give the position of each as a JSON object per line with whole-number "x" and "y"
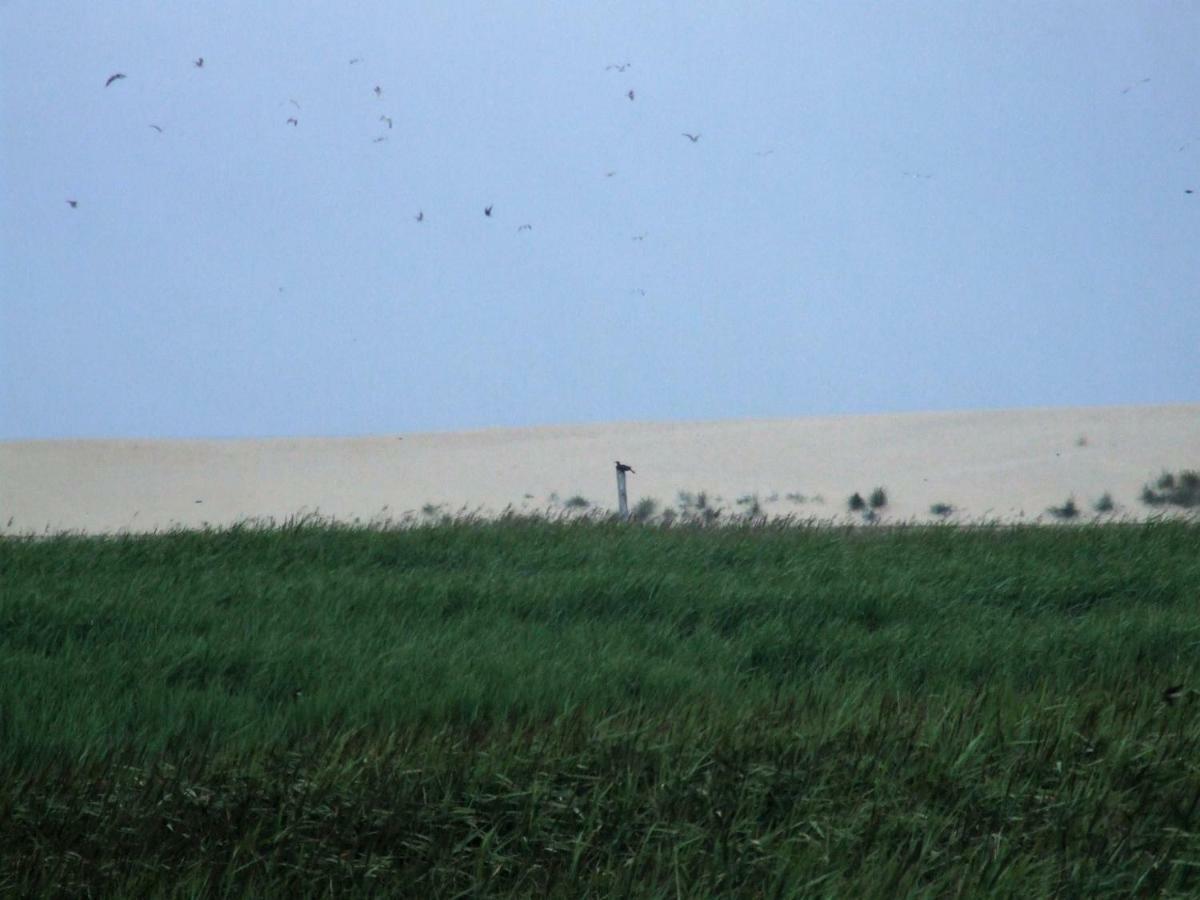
{"x": 294, "y": 121}
{"x": 631, "y": 94}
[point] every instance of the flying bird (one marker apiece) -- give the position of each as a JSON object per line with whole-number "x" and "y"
{"x": 691, "y": 137}
{"x": 630, "y": 94}
{"x": 923, "y": 176}
{"x": 610, "y": 174}
{"x": 293, "y": 121}
{"x": 524, "y": 228}
{"x": 387, "y": 119}
{"x": 198, "y": 62}
{"x": 621, "y": 68}
{"x": 157, "y": 128}
{"x": 487, "y": 211}
{"x": 379, "y": 140}
{"x": 356, "y": 60}
{"x": 640, "y": 237}
{"x": 294, "y": 103}
{"x": 1188, "y": 191}
{"x": 420, "y": 216}
{"x": 72, "y": 203}
{"x": 1130, "y": 87}
{"x": 116, "y": 76}
{"x": 378, "y": 91}
{"x": 621, "y": 467}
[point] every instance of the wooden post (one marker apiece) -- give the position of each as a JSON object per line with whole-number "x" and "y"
{"x": 622, "y": 499}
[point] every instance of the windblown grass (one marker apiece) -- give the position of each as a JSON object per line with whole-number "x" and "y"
{"x": 591, "y": 708}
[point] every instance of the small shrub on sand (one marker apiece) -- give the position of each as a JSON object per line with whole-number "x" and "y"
{"x": 1183, "y": 490}
{"x": 879, "y": 498}
{"x": 941, "y": 509}
{"x": 1105, "y": 503}
{"x": 856, "y": 502}
{"x": 1067, "y": 511}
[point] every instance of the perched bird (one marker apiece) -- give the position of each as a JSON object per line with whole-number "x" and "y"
{"x": 156, "y": 128}
{"x": 620, "y": 68}
{"x": 387, "y": 119}
{"x": 630, "y": 94}
{"x": 524, "y": 228}
{"x": 116, "y": 76}
{"x": 691, "y": 137}
{"x": 1173, "y": 693}
{"x": 72, "y": 203}
{"x": 293, "y": 121}
{"x": 420, "y": 216}
{"x": 198, "y": 62}
{"x": 621, "y": 467}
{"x": 487, "y": 211}
{"x": 378, "y": 91}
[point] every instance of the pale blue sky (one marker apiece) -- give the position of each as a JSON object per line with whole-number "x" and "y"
{"x": 237, "y": 276}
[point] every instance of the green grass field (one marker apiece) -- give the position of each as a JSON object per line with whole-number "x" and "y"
{"x": 591, "y": 708}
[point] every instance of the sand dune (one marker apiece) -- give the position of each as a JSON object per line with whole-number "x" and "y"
{"x": 1006, "y": 465}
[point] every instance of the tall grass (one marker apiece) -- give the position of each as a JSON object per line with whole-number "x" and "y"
{"x": 588, "y": 707}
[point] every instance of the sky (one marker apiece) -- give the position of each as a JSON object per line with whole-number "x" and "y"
{"x": 891, "y": 207}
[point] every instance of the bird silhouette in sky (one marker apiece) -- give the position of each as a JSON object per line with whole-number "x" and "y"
{"x": 524, "y": 228}
{"x": 619, "y": 68}
{"x": 630, "y": 95}
{"x": 198, "y": 62}
{"x": 1188, "y": 191}
{"x": 379, "y": 140}
{"x": 116, "y": 76}
{"x": 640, "y": 237}
{"x": 294, "y": 103}
{"x": 1130, "y": 87}
{"x": 73, "y": 203}
{"x": 691, "y": 137}
{"x": 420, "y": 216}
{"x": 610, "y": 173}
{"x": 621, "y": 467}
{"x": 387, "y": 119}
{"x": 157, "y": 128}
{"x": 356, "y": 60}
{"x": 487, "y": 211}
{"x": 293, "y": 122}
{"x": 378, "y": 91}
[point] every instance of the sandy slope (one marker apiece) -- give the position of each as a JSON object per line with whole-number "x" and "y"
{"x": 1009, "y": 465}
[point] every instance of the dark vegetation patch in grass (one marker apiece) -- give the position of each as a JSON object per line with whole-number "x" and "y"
{"x": 522, "y": 707}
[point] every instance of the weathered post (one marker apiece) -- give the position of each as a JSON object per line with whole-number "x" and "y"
{"x": 622, "y": 499}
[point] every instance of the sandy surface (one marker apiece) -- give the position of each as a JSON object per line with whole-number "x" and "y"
{"x": 1007, "y": 465}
